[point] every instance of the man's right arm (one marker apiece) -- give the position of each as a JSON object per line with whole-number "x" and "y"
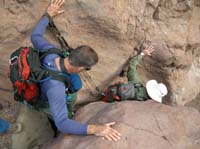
{"x": 99, "y": 130}
{"x": 132, "y": 73}
{"x": 55, "y": 92}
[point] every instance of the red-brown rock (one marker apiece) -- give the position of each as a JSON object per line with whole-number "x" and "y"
{"x": 142, "y": 125}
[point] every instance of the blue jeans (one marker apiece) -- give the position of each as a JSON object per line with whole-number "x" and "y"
{"x": 4, "y": 126}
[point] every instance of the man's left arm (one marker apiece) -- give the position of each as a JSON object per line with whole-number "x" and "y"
{"x": 37, "y": 39}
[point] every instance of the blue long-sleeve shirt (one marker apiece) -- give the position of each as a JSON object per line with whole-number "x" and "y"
{"x": 54, "y": 90}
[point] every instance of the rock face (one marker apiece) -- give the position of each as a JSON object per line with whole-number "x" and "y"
{"x": 113, "y": 28}
{"x": 142, "y": 125}
{"x": 36, "y": 130}
{"x": 36, "y": 127}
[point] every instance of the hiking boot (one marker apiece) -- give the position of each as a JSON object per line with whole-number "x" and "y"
{"x": 15, "y": 128}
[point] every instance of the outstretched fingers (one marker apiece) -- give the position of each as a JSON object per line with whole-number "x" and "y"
{"x": 149, "y": 49}
{"x": 110, "y": 124}
{"x": 113, "y": 135}
{"x": 105, "y": 131}
{"x": 53, "y": 8}
{"x": 59, "y": 2}
{"x": 61, "y": 11}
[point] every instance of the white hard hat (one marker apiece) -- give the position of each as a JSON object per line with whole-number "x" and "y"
{"x": 156, "y": 90}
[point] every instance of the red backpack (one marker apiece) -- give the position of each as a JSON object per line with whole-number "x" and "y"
{"x": 26, "y": 73}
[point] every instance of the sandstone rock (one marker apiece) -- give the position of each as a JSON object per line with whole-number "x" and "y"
{"x": 113, "y": 28}
{"x": 142, "y": 125}
{"x": 22, "y": 1}
{"x": 197, "y": 3}
{"x": 195, "y": 103}
{"x": 107, "y": 26}
{"x": 36, "y": 129}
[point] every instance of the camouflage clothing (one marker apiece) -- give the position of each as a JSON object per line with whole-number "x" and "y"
{"x": 133, "y": 77}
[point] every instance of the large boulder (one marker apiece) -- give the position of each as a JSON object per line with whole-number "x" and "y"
{"x": 36, "y": 129}
{"x": 142, "y": 125}
{"x": 113, "y": 28}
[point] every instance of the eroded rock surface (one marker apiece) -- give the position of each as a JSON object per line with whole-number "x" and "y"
{"x": 142, "y": 125}
{"x": 36, "y": 130}
{"x": 113, "y": 28}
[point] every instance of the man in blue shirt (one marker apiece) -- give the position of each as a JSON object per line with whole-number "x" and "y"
{"x": 80, "y": 59}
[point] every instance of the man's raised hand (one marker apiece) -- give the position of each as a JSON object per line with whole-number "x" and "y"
{"x": 148, "y": 50}
{"x": 54, "y": 7}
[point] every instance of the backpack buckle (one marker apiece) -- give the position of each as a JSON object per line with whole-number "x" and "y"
{"x": 13, "y": 60}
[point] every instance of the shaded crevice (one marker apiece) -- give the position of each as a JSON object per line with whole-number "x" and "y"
{"x": 195, "y": 103}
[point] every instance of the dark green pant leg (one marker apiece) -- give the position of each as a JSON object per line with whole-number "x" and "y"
{"x": 71, "y": 103}
{"x": 43, "y": 106}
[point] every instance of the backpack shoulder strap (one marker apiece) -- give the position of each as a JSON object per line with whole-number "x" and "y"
{"x": 60, "y": 76}
{"x": 51, "y": 51}
{"x": 62, "y": 65}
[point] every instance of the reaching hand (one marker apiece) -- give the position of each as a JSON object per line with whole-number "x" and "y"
{"x": 148, "y": 50}
{"x": 104, "y": 131}
{"x": 53, "y": 8}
